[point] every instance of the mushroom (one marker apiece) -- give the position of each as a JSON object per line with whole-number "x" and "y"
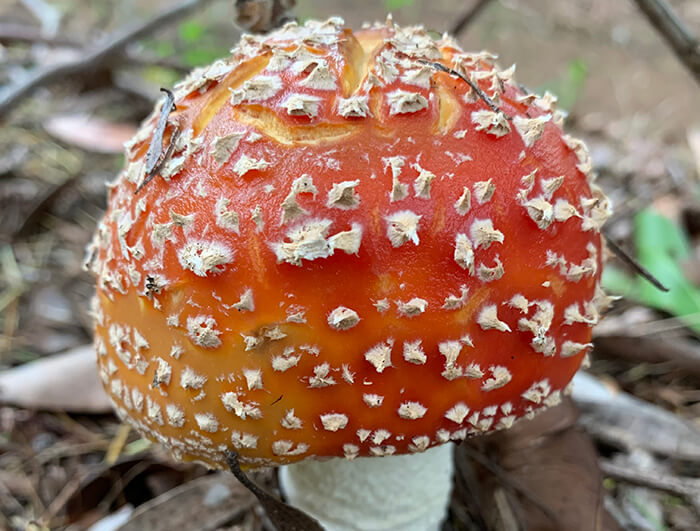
{"x": 354, "y": 245}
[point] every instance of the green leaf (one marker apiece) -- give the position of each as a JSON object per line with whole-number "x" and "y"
{"x": 620, "y": 283}
{"x": 655, "y": 232}
{"x": 393, "y": 5}
{"x": 190, "y": 31}
{"x": 661, "y": 246}
{"x": 569, "y": 85}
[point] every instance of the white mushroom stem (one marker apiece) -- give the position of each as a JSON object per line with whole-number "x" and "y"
{"x": 404, "y": 492}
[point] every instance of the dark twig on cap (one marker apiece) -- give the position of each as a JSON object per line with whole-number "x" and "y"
{"x": 283, "y": 516}
{"x": 155, "y": 149}
{"x": 482, "y": 95}
{"x": 685, "y": 44}
{"x": 95, "y": 59}
{"x": 468, "y": 17}
{"x": 631, "y": 262}
{"x": 168, "y": 152}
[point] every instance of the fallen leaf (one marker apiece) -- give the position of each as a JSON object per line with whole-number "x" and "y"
{"x": 90, "y": 133}
{"x": 662, "y": 246}
{"x": 208, "y": 502}
{"x": 548, "y": 476}
{"x": 62, "y": 382}
{"x": 136, "y": 480}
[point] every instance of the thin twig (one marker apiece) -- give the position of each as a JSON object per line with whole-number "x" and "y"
{"x": 678, "y": 353}
{"x": 685, "y": 44}
{"x": 659, "y": 328}
{"x": 13, "y": 33}
{"x": 93, "y": 60}
{"x": 159, "y": 165}
{"x": 285, "y": 517}
{"x": 68, "y": 450}
{"x": 636, "y": 266}
{"x": 155, "y": 149}
{"x": 61, "y": 499}
{"x": 31, "y": 34}
{"x": 687, "y": 488}
{"x": 482, "y": 95}
{"x": 468, "y": 16}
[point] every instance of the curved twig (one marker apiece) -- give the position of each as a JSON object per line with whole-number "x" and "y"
{"x": 285, "y": 517}
{"x": 92, "y": 60}
{"x": 468, "y": 16}
{"x": 685, "y": 45}
{"x": 632, "y": 263}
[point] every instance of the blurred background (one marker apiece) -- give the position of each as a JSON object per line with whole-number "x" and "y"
{"x": 76, "y": 78}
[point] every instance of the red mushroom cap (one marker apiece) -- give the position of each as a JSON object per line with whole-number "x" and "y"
{"x": 346, "y": 251}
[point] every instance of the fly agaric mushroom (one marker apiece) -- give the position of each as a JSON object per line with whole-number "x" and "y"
{"x": 356, "y": 244}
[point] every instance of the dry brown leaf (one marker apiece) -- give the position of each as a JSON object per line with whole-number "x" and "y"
{"x": 208, "y": 502}
{"x": 62, "y": 382}
{"x": 550, "y": 479}
{"x": 135, "y": 480}
{"x": 90, "y": 133}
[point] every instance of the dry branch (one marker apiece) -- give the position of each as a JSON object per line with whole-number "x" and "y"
{"x": 30, "y": 34}
{"x": 93, "y": 60}
{"x": 680, "y": 354}
{"x": 467, "y": 17}
{"x": 627, "y": 259}
{"x": 685, "y": 45}
{"x": 625, "y": 421}
{"x": 687, "y": 488}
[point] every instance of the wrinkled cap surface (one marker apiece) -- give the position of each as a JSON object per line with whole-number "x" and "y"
{"x": 346, "y": 252}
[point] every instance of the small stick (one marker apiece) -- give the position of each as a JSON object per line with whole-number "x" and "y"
{"x": 631, "y": 262}
{"x": 685, "y": 45}
{"x": 468, "y": 16}
{"x": 30, "y": 34}
{"x": 687, "y": 488}
{"x": 161, "y": 162}
{"x": 285, "y": 517}
{"x": 155, "y": 149}
{"x": 482, "y": 95}
{"x": 93, "y": 59}
{"x": 280, "y": 398}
